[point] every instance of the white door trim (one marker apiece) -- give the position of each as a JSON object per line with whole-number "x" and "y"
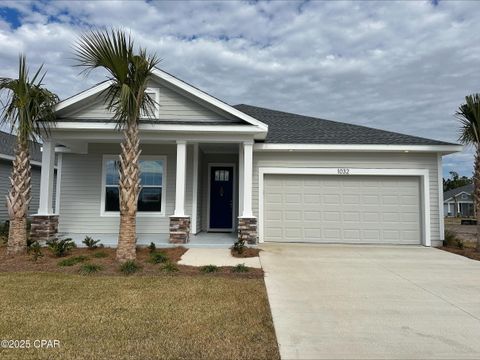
{"x": 422, "y": 173}
{"x": 234, "y": 195}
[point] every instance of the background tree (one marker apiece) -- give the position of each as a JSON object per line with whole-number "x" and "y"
{"x": 28, "y": 109}
{"x": 455, "y": 181}
{"x": 128, "y": 72}
{"x": 469, "y": 117}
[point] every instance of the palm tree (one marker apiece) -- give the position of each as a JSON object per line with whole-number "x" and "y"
{"x": 469, "y": 116}
{"x": 128, "y": 72}
{"x": 29, "y": 111}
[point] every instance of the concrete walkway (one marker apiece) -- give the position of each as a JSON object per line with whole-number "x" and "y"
{"x": 218, "y": 257}
{"x": 373, "y": 302}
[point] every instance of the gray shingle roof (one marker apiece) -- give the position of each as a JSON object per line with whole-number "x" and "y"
{"x": 7, "y": 146}
{"x": 450, "y": 193}
{"x": 288, "y": 128}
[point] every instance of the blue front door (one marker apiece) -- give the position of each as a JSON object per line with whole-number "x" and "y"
{"x": 221, "y": 197}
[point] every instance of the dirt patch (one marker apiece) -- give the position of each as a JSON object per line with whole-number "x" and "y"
{"x": 109, "y": 265}
{"x": 247, "y": 253}
{"x": 467, "y": 252}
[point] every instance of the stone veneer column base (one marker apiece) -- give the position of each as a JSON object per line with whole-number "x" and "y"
{"x": 247, "y": 229}
{"x": 44, "y": 227}
{"x": 179, "y": 229}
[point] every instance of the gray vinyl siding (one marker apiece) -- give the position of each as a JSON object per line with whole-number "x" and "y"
{"x": 358, "y": 160}
{"x": 173, "y": 106}
{"x": 5, "y": 171}
{"x": 81, "y": 191}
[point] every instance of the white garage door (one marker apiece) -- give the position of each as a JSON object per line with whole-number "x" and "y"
{"x": 343, "y": 209}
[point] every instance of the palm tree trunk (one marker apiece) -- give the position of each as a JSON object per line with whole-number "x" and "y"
{"x": 476, "y": 193}
{"x": 129, "y": 190}
{"x": 18, "y": 199}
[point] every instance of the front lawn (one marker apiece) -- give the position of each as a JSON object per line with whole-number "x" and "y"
{"x": 140, "y": 317}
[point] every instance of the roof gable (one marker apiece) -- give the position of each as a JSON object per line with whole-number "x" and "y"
{"x": 467, "y": 189}
{"x": 179, "y": 103}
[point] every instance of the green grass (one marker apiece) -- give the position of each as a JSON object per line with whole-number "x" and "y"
{"x": 207, "y": 269}
{"x": 88, "y": 269}
{"x": 100, "y": 254}
{"x": 129, "y": 267}
{"x": 157, "y": 258}
{"x": 141, "y": 317}
{"x": 72, "y": 260}
{"x": 240, "y": 268}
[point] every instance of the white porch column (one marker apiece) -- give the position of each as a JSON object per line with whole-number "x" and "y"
{"x": 46, "y": 179}
{"x": 181, "y": 178}
{"x": 247, "y": 179}
{"x": 193, "y": 229}
{"x": 240, "y": 179}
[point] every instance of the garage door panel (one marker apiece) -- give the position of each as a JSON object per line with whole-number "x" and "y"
{"x": 351, "y": 209}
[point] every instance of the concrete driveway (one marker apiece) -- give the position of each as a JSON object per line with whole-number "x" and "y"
{"x": 373, "y": 302}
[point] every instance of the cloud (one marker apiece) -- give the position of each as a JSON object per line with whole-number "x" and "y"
{"x": 400, "y": 66}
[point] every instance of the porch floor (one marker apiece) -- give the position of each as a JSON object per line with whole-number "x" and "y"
{"x": 203, "y": 239}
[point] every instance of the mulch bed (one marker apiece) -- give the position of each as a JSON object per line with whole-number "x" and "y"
{"x": 468, "y": 252}
{"x": 248, "y": 252}
{"x": 49, "y": 263}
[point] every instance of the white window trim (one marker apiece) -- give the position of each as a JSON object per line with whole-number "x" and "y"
{"x": 104, "y": 213}
{"x": 422, "y": 173}
{"x": 156, "y": 93}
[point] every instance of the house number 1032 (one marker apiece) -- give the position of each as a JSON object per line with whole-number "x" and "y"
{"x": 343, "y": 171}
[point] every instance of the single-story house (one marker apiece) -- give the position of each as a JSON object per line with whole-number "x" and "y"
{"x": 208, "y": 167}
{"x": 7, "y": 153}
{"x": 459, "y": 201}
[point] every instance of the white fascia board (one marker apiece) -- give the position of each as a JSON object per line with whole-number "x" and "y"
{"x": 246, "y": 129}
{"x": 209, "y": 99}
{"x": 83, "y": 95}
{"x": 11, "y": 158}
{"x": 444, "y": 149}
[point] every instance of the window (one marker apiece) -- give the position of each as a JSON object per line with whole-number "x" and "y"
{"x": 152, "y": 192}
{"x": 222, "y": 175}
{"x": 154, "y": 94}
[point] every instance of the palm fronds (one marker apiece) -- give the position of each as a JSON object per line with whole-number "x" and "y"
{"x": 128, "y": 72}
{"x": 469, "y": 116}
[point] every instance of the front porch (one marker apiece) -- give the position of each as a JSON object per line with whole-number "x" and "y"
{"x": 203, "y": 192}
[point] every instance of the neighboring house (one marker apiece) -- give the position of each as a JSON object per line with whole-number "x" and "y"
{"x": 210, "y": 167}
{"x": 459, "y": 201}
{"x": 7, "y": 154}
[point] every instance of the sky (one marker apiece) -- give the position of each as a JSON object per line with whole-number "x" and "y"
{"x": 400, "y": 66}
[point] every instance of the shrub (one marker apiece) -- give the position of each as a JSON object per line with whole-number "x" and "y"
{"x": 152, "y": 247}
{"x": 90, "y": 243}
{"x": 100, "y": 254}
{"x": 158, "y": 258}
{"x": 169, "y": 267}
{"x": 72, "y": 261}
{"x": 459, "y": 243}
{"x": 450, "y": 239}
{"x": 239, "y": 246}
{"x": 36, "y": 250}
{"x": 240, "y": 268}
{"x": 4, "y": 232}
{"x": 209, "y": 269}
{"x": 61, "y": 247}
{"x": 87, "y": 269}
{"x": 129, "y": 267}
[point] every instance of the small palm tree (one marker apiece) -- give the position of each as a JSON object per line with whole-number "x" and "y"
{"x": 469, "y": 116}
{"x": 29, "y": 111}
{"x": 128, "y": 72}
